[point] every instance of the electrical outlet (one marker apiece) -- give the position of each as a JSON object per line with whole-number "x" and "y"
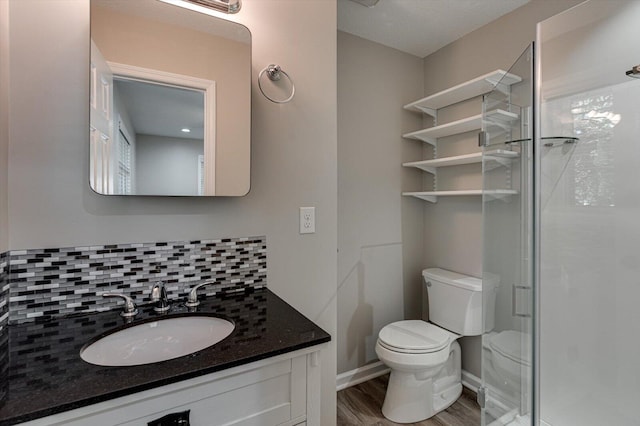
{"x": 307, "y": 220}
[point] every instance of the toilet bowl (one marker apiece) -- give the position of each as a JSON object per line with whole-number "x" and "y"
{"x": 424, "y": 357}
{"x": 507, "y": 354}
{"x": 506, "y": 359}
{"x": 425, "y": 369}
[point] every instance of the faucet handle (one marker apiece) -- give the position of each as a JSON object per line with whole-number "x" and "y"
{"x": 158, "y": 292}
{"x": 192, "y": 301}
{"x": 159, "y": 296}
{"x": 129, "y": 306}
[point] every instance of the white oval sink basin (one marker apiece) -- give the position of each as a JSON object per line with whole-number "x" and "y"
{"x": 156, "y": 341}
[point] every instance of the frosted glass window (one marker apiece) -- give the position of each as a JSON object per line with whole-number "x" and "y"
{"x": 593, "y": 173}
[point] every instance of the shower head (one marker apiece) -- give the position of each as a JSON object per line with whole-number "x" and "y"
{"x": 634, "y": 72}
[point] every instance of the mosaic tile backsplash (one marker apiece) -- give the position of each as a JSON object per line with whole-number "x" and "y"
{"x": 4, "y": 319}
{"x": 62, "y": 281}
{"x": 4, "y": 290}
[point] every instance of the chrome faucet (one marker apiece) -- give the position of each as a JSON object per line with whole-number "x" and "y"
{"x": 129, "y": 306}
{"x": 192, "y": 301}
{"x": 159, "y": 297}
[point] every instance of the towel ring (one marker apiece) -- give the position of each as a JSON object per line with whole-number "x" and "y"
{"x": 274, "y": 73}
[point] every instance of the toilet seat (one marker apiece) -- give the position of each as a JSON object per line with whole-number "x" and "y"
{"x": 414, "y": 337}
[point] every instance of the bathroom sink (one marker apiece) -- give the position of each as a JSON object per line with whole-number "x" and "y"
{"x": 157, "y": 341}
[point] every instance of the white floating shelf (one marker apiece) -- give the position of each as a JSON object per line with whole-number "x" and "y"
{"x": 432, "y": 196}
{"x": 499, "y": 194}
{"x": 431, "y": 165}
{"x": 467, "y": 90}
{"x": 501, "y": 153}
{"x": 501, "y": 117}
{"x": 455, "y": 127}
{"x": 468, "y": 124}
{"x": 500, "y": 156}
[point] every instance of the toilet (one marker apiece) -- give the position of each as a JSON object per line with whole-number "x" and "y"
{"x": 424, "y": 357}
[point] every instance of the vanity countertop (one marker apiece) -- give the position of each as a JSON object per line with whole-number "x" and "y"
{"x": 45, "y": 374}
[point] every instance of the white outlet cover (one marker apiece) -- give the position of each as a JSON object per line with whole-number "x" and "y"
{"x": 307, "y": 220}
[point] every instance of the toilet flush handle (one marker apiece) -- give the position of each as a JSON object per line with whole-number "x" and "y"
{"x": 428, "y": 283}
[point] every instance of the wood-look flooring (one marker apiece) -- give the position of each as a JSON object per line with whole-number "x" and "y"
{"x": 361, "y": 405}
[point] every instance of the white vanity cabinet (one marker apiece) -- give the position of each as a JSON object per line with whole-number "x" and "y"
{"x": 281, "y": 390}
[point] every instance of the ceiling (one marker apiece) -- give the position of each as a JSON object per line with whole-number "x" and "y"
{"x": 420, "y": 27}
{"x": 156, "y": 109}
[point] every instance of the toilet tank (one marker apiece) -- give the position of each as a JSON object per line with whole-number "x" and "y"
{"x": 455, "y": 301}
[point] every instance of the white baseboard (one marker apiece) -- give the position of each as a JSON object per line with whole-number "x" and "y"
{"x": 470, "y": 381}
{"x": 376, "y": 369}
{"x": 362, "y": 374}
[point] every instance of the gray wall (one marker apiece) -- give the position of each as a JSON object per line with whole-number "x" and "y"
{"x": 379, "y": 231}
{"x": 4, "y": 125}
{"x": 167, "y": 165}
{"x": 293, "y": 156}
{"x": 453, "y": 228}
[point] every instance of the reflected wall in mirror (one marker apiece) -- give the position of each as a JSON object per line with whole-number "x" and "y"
{"x": 170, "y": 101}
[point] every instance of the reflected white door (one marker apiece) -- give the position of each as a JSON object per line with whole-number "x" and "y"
{"x": 100, "y": 124}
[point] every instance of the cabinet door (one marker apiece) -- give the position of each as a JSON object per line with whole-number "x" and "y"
{"x": 259, "y": 397}
{"x": 265, "y": 393}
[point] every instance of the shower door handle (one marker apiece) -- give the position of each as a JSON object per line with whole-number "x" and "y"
{"x": 521, "y": 301}
{"x": 483, "y": 138}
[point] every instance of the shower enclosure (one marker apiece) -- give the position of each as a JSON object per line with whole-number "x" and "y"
{"x": 589, "y": 248}
{"x": 563, "y": 252}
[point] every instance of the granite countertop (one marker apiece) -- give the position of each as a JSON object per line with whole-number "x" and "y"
{"x": 45, "y": 374}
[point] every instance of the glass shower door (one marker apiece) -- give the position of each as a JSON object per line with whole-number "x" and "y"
{"x": 505, "y": 395}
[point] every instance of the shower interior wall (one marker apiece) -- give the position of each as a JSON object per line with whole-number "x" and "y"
{"x": 590, "y": 204}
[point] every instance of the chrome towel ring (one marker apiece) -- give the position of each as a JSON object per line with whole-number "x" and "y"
{"x": 275, "y": 73}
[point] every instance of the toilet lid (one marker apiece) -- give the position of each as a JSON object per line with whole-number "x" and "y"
{"x": 510, "y": 344}
{"x": 414, "y": 336}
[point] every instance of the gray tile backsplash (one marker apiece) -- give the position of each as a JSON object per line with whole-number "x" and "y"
{"x": 4, "y": 319}
{"x": 4, "y": 290}
{"x": 60, "y": 281}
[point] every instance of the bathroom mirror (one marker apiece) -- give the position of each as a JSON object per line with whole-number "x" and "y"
{"x": 170, "y": 101}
